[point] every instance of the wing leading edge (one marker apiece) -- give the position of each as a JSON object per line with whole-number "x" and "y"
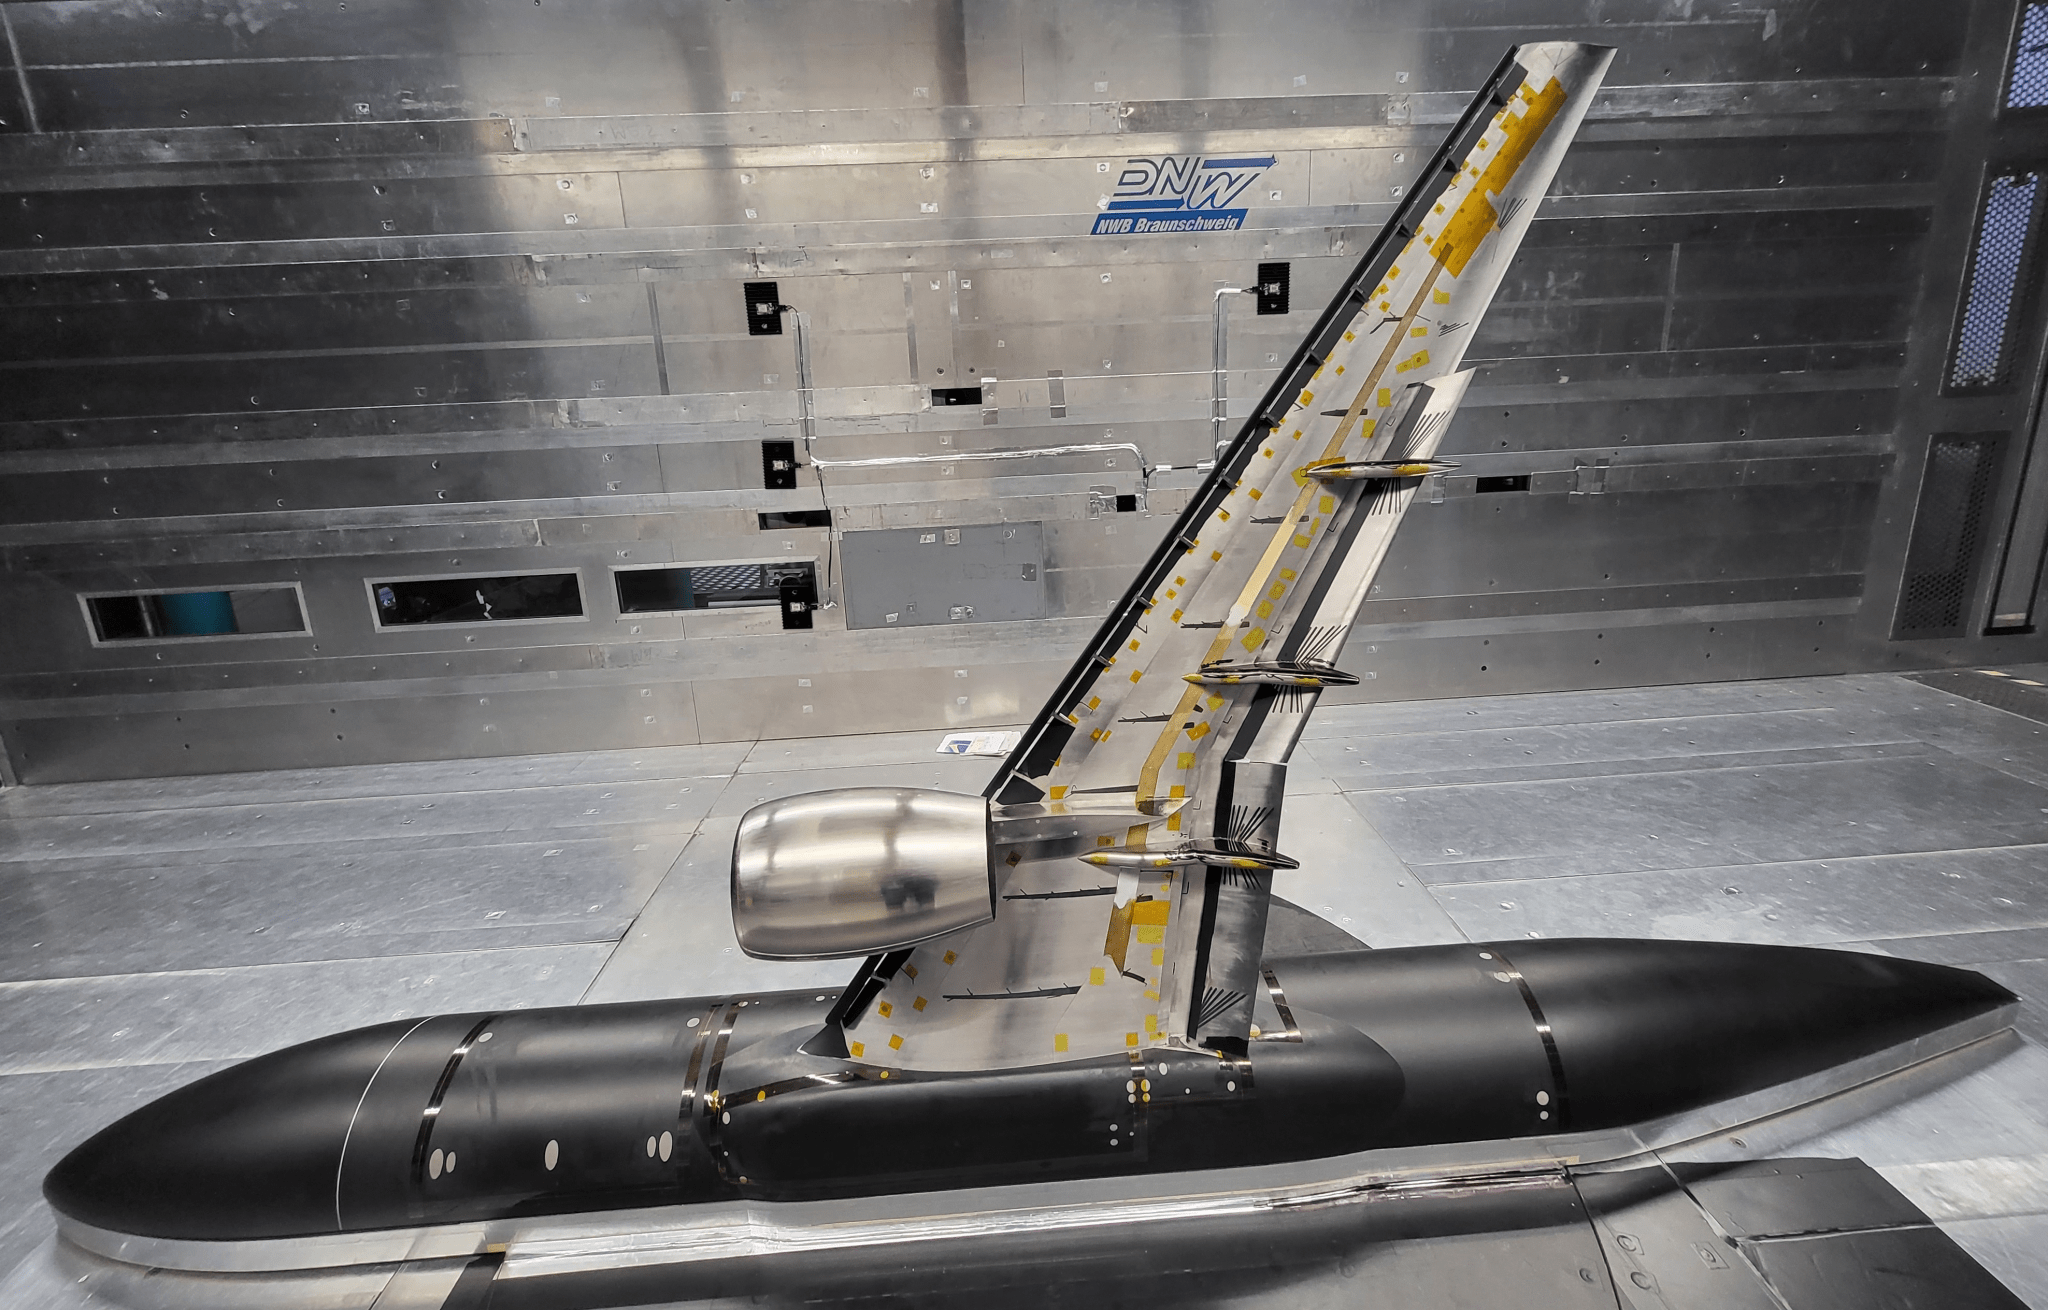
{"x": 1139, "y": 817}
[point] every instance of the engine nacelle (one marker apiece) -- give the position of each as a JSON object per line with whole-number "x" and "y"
{"x": 832, "y": 874}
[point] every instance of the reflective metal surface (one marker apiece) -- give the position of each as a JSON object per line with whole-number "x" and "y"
{"x": 155, "y": 930}
{"x": 859, "y": 870}
{"x": 294, "y": 294}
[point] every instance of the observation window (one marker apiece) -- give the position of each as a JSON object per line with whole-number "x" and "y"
{"x": 795, "y": 518}
{"x": 672, "y": 589}
{"x": 492, "y": 598}
{"x": 1982, "y": 355}
{"x": 273, "y": 611}
{"x": 2028, "y": 86}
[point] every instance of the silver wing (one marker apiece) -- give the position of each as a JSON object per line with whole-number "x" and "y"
{"x": 1139, "y": 818}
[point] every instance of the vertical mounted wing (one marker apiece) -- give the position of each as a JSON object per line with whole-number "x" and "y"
{"x": 1138, "y": 819}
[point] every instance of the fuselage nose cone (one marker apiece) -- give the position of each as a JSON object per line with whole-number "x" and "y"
{"x": 249, "y": 1152}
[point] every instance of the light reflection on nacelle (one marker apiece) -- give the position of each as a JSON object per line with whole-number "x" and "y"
{"x": 859, "y": 871}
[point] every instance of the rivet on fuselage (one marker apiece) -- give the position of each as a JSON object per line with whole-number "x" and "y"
{"x": 434, "y": 1163}
{"x": 552, "y": 1154}
{"x": 667, "y": 1146}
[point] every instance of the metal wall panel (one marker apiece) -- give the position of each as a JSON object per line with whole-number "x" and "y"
{"x": 916, "y": 577}
{"x": 309, "y": 295}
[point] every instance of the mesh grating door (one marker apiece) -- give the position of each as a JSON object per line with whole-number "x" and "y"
{"x": 1983, "y": 338}
{"x": 2028, "y": 88}
{"x": 1948, "y": 536}
{"x": 726, "y": 577}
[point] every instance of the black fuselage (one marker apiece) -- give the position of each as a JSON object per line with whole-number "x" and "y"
{"x": 531, "y": 1112}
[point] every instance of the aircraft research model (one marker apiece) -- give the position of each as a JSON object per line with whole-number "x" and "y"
{"x": 1064, "y": 978}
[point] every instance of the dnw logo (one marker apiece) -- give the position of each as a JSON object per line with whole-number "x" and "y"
{"x": 1180, "y": 193}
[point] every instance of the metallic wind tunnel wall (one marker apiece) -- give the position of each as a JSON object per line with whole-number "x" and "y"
{"x": 391, "y": 380}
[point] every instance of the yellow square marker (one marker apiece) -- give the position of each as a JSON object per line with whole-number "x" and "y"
{"x": 1095, "y": 977}
{"x": 884, "y": 1009}
{"x": 1265, "y": 610}
{"x": 1058, "y": 793}
{"x": 895, "y": 1041}
{"x": 1137, "y": 675}
{"x": 1199, "y": 731}
{"x": 1267, "y": 452}
{"x": 1255, "y": 493}
{"x": 1104, "y": 841}
{"x": 1215, "y": 702}
{"x": 949, "y": 957}
{"x": 1159, "y": 956}
{"x": 1150, "y": 936}
{"x": 1326, "y": 505}
{"x": 1059, "y": 1041}
{"x": 917, "y": 1004}
{"x": 1351, "y": 336}
{"x": 1308, "y": 397}
{"x": 1300, "y": 541}
{"x": 1223, "y": 514}
{"x": 910, "y": 972}
{"x": 1095, "y": 702}
{"x": 1215, "y": 554}
{"x": 1176, "y": 792}
{"x": 1173, "y": 823}
{"x": 1287, "y": 574}
{"x": 1440, "y": 297}
{"x": 1418, "y": 332}
{"x": 1177, "y": 614}
{"x": 1277, "y": 590}
{"x": 1386, "y": 397}
{"x": 1152, "y": 1024}
{"x": 1131, "y": 1040}
{"x": 857, "y": 1049}
{"x": 1185, "y": 760}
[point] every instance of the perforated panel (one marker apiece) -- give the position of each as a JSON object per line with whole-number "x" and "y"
{"x": 2029, "y": 86}
{"x": 1948, "y": 536}
{"x": 1982, "y": 349}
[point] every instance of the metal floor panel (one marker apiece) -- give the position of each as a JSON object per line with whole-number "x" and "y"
{"x": 151, "y": 929}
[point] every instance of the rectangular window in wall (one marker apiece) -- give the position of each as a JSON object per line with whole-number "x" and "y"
{"x": 1947, "y": 544}
{"x": 2028, "y": 88}
{"x": 181, "y": 615}
{"x": 507, "y": 598}
{"x": 671, "y": 589}
{"x": 1983, "y": 347}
